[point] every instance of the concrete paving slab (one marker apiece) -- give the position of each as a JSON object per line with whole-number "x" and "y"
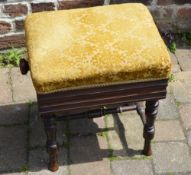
{"x": 167, "y": 108}
{"x": 86, "y": 126}
{"x": 181, "y": 87}
{"x": 132, "y": 167}
{"x": 184, "y": 58}
{"x": 13, "y": 148}
{"x": 185, "y": 115}
{"x": 14, "y": 113}
{"x": 91, "y": 168}
{"x": 84, "y": 149}
{"x": 23, "y": 89}
{"x": 126, "y": 138}
{"x": 5, "y": 86}
{"x": 38, "y": 163}
{"x": 169, "y": 130}
{"x": 171, "y": 157}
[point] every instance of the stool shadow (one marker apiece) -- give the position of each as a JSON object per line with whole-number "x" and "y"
{"x": 13, "y": 137}
{"x": 88, "y": 147}
{"x": 121, "y": 133}
{"x": 85, "y": 142}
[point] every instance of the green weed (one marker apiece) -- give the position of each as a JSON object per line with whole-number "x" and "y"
{"x": 172, "y": 47}
{"x": 171, "y": 78}
{"x": 24, "y": 168}
{"x": 178, "y": 103}
{"x": 11, "y": 57}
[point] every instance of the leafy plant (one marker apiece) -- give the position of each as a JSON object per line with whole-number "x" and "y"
{"x": 24, "y": 168}
{"x": 188, "y": 36}
{"x": 66, "y": 145}
{"x": 169, "y": 40}
{"x": 171, "y": 78}
{"x": 1, "y": 60}
{"x": 12, "y": 57}
{"x": 172, "y": 47}
{"x": 178, "y": 103}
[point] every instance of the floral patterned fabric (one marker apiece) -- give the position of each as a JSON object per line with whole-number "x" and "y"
{"x": 94, "y": 46}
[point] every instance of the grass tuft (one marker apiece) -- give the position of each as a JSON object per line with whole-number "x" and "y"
{"x": 172, "y": 47}
{"x": 171, "y": 78}
{"x": 11, "y": 58}
{"x": 24, "y": 168}
{"x": 178, "y": 103}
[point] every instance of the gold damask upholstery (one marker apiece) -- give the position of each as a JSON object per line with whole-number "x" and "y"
{"x": 94, "y": 46}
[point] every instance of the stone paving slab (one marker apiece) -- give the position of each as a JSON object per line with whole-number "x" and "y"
{"x": 169, "y": 130}
{"x": 86, "y": 126}
{"x": 181, "y": 87}
{"x": 114, "y": 140}
{"x": 19, "y": 173}
{"x": 184, "y": 58}
{"x": 33, "y": 112}
{"x": 188, "y": 135}
{"x": 5, "y": 86}
{"x": 14, "y": 113}
{"x": 169, "y": 112}
{"x": 126, "y": 138}
{"x": 133, "y": 129}
{"x": 132, "y": 167}
{"x": 171, "y": 157}
{"x": 91, "y": 168}
{"x": 84, "y": 149}
{"x": 37, "y": 136}
{"x": 175, "y": 63}
{"x": 173, "y": 57}
{"x": 88, "y": 154}
{"x": 176, "y": 69}
{"x": 38, "y": 162}
{"x": 13, "y": 148}
{"x": 23, "y": 89}
{"x": 185, "y": 111}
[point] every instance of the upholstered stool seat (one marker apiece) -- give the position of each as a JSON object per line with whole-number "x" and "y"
{"x": 95, "y": 61}
{"x": 92, "y": 46}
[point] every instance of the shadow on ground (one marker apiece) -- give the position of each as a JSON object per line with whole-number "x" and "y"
{"x": 22, "y": 140}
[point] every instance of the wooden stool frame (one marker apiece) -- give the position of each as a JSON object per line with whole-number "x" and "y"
{"x": 98, "y": 101}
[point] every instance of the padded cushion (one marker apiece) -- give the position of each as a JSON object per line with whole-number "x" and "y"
{"x": 93, "y": 46}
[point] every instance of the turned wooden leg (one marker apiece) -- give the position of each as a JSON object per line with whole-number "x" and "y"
{"x": 149, "y": 130}
{"x": 51, "y": 144}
